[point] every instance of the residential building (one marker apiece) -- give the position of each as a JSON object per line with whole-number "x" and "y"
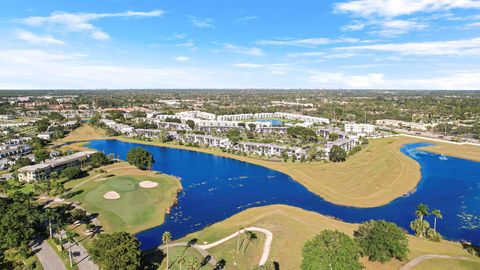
{"x": 359, "y": 128}
{"x": 42, "y": 171}
{"x": 46, "y": 135}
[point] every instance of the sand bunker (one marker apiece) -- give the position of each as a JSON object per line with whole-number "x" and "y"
{"x": 148, "y": 184}
{"x": 111, "y": 195}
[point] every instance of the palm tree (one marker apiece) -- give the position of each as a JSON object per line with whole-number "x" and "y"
{"x": 422, "y": 211}
{"x": 251, "y": 236}
{"x": 192, "y": 263}
{"x": 60, "y": 225}
{"x": 181, "y": 258}
{"x": 436, "y": 214}
{"x": 167, "y": 239}
{"x": 50, "y": 214}
{"x": 70, "y": 238}
{"x": 240, "y": 229}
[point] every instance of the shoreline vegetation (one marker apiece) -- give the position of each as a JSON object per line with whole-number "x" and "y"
{"x": 367, "y": 175}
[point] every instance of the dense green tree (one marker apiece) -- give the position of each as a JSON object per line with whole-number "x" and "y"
{"x": 234, "y": 135}
{"x": 303, "y": 134}
{"x": 41, "y": 155}
{"x": 333, "y": 136}
{"x": 138, "y": 114}
{"x": 71, "y": 173}
{"x": 140, "y": 158}
{"x": 42, "y": 124}
{"x": 337, "y": 154}
{"x": 420, "y": 227}
{"x": 98, "y": 159}
{"x": 20, "y": 222}
{"x": 55, "y": 116}
{"x": 381, "y": 241}
{"x": 190, "y": 124}
{"x": 331, "y": 250}
{"x": 119, "y": 250}
{"x": 252, "y": 126}
{"x": 21, "y": 162}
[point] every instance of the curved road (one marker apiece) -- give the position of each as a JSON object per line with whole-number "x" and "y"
{"x": 411, "y": 264}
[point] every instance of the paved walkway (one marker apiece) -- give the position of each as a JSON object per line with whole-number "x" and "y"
{"x": 80, "y": 256}
{"x": 202, "y": 248}
{"x": 411, "y": 264}
{"x": 48, "y": 257}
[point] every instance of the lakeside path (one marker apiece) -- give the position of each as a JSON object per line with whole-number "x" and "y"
{"x": 202, "y": 248}
{"x": 411, "y": 264}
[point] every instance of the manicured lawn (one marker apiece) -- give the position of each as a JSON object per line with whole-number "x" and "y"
{"x": 137, "y": 209}
{"x": 450, "y": 264}
{"x": 291, "y": 227}
{"x": 189, "y": 253}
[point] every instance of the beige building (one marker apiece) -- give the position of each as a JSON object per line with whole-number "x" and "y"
{"x": 43, "y": 170}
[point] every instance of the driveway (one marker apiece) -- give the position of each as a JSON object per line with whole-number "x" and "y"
{"x": 47, "y": 256}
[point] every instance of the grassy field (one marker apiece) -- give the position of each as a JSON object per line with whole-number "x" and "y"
{"x": 137, "y": 209}
{"x": 450, "y": 264}
{"x": 80, "y": 135}
{"x": 464, "y": 151}
{"x": 291, "y": 227}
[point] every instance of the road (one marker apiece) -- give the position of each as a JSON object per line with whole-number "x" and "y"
{"x": 48, "y": 257}
{"x": 81, "y": 256}
{"x": 411, "y": 264}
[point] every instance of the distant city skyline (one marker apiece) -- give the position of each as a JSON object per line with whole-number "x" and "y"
{"x": 349, "y": 44}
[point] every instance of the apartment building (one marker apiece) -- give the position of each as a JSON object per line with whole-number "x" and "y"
{"x": 359, "y": 128}
{"x": 42, "y": 171}
{"x": 404, "y": 124}
{"x": 207, "y": 140}
{"x": 300, "y": 117}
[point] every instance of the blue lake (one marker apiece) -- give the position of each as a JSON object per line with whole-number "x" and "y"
{"x": 216, "y": 188}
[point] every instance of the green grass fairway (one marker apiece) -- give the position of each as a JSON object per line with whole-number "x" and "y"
{"x": 137, "y": 208}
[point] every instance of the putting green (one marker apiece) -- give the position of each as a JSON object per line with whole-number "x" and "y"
{"x": 137, "y": 208}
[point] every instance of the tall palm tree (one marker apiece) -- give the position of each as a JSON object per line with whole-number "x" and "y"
{"x": 50, "y": 214}
{"x": 436, "y": 214}
{"x": 181, "y": 259}
{"x": 422, "y": 211}
{"x": 167, "y": 239}
{"x": 70, "y": 238}
{"x": 192, "y": 263}
{"x": 240, "y": 229}
{"x": 60, "y": 225}
{"x": 251, "y": 236}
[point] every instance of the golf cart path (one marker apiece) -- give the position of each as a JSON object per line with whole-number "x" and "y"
{"x": 411, "y": 264}
{"x": 202, "y": 248}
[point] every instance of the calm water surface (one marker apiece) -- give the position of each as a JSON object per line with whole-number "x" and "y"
{"x": 216, "y": 188}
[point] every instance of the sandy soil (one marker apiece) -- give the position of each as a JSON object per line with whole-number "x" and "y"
{"x": 111, "y": 195}
{"x": 148, "y": 184}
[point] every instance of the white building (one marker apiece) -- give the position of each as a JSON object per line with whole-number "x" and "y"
{"x": 300, "y": 117}
{"x": 43, "y": 170}
{"x": 207, "y": 140}
{"x": 197, "y": 114}
{"x": 404, "y": 124}
{"x": 359, "y": 128}
{"x": 45, "y": 135}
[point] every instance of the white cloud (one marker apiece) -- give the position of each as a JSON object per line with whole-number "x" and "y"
{"x": 37, "y": 39}
{"x": 339, "y": 79}
{"x": 247, "y": 65}
{"x": 253, "y": 51}
{"x": 245, "y": 19}
{"x": 306, "y": 42}
{"x": 202, "y": 23}
{"x": 397, "y": 27}
{"x": 395, "y": 8}
{"x": 451, "y": 47}
{"x": 182, "y": 58}
{"x": 82, "y": 22}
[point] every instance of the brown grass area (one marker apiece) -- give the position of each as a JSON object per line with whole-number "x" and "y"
{"x": 291, "y": 227}
{"x": 464, "y": 151}
{"x": 80, "y": 135}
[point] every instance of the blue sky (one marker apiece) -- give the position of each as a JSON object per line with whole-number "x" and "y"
{"x": 394, "y": 44}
